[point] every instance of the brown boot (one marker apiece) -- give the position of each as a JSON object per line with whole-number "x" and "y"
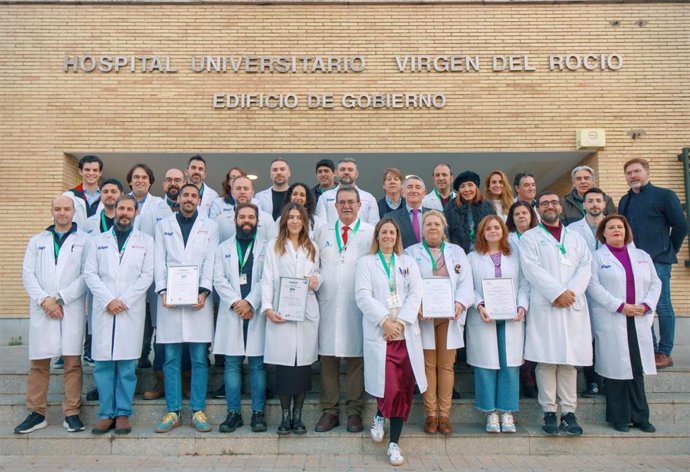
{"x": 444, "y": 426}
{"x": 187, "y": 384}
{"x": 122, "y": 425}
{"x": 103, "y": 426}
{"x": 431, "y": 425}
{"x": 158, "y": 389}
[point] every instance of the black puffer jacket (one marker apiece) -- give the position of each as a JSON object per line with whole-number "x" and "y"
{"x": 458, "y": 221}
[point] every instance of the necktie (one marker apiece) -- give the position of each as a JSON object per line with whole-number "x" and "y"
{"x": 345, "y": 230}
{"x": 415, "y": 224}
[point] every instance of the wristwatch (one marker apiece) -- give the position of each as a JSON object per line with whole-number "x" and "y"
{"x": 59, "y": 300}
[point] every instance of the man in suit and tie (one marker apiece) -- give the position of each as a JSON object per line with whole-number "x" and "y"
{"x": 409, "y": 216}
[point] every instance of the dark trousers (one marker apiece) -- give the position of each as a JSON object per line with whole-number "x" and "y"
{"x": 148, "y": 334}
{"x": 330, "y": 385}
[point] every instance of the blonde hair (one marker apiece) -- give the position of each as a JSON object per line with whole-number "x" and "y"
{"x": 303, "y": 238}
{"x": 397, "y": 248}
{"x": 440, "y": 216}
{"x": 507, "y": 193}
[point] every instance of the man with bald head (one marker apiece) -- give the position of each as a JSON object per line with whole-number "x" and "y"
{"x": 242, "y": 191}
{"x": 53, "y": 279}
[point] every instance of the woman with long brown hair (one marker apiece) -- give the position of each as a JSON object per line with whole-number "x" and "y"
{"x": 466, "y": 211}
{"x": 497, "y": 191}
{"x": 292, "y": 346}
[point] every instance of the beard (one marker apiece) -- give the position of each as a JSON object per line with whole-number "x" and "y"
{"x": 123, "y": 227}
{"x": 550, "y": 218}
{"x": 244, "y": 233}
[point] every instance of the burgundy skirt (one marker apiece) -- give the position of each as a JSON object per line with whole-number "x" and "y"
{"x": 399, "y": 388}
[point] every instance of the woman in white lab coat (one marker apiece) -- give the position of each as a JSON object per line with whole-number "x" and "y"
{"x": 624, "y": 290}
{"x": 302, "y": 194}
{"x": 292, "y": 346}
{"x": 442, "y": 336}
{"x": 388, "y": 291}
{"x": 494, "y": 347}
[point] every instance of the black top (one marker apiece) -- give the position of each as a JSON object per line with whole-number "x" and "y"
{"x": 244, "y": 244}
{"x": 278, "y": 200}
{"x": 60, "y": 239}
{"x": 186, "y": 224}
{"x": 122, "y": 237}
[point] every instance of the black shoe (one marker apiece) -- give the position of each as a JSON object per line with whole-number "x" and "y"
{"x": 297, "y": 425}
{"x": 622, "y": 427}
{"x": 219, "y": 392}
{"x": 530, "y": 391}
{"x": 258, "y": 422}
{"x": 285, "y": 426}
{"x": 456, "y": 395}
{"x": 231, "y": 423}
{"x": 569, "y": 425}
{"x": 645, "y": 426}
{"x": 550, "y": 426}
{"x": 592, "y": 390}
{"x": 144, "y": 363}
{"x": 92, "y": 396}
{"x": 73, "y": 424}
{"x": 32, "y": 422}
{"x": 88, "y": 360}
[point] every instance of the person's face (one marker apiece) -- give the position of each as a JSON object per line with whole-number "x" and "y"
{"x": 109, "y": 195}
{"x": 347, "y": 207}
{"x": 174, "y": 179}
{"x": 280, "y": 172}
{"x": 125, "y": 213}
{"x": 522, "y": 218}
{"x": 62, "y": 211}
{"x": 414, "y": 192}
{"x": 582, "y": 181}
{"x": 140, "y": 182}
{"x": 636, "y": 176}
{"x": 594, "y": 204}
{"x": 294, "y": 222}
{"x": 347, "y": 173}
{"x": 188, "y": 199}
{"x": 242, "y": 190}
{"x": 432, "y": 229}
{"x": 496, "y": 185}
{"x": 614, "y": 232}
{"x": 387, "y": 237}
{"x": 246, "y": 219}
{"x": 443, "y": 178}
{"x": 392, "y": 185}
{"x": 493, "y": 232}
{"x": 527, "y": 189}
{"x": 549, "y": 208}
{"x": 299, "y": 195}
{"x": 90, "y": 173}
{"x": 234, "y": 173}
{"x": 196, "y": 172}
{"x": 468, "y": 190}
{"x": 325, "y": 176}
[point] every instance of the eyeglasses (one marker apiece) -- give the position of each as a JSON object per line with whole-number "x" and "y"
{"x": 346, "y": 202}
{"x": 553, "y": 203}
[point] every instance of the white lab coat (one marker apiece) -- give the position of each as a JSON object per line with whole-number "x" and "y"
{"x": 482, "y": 343}
{"x": 371, "y": 294}
{"x": 556, "y": 335}
{"x": 184, "y": 324}
{"x": 514, "y": 240}
{"x": 460, "y": 273}
{"x": 264, "y": 200}
{"x": 43, "y": 278}
{"x": 152, "y": 214}
{"x": 207, "y": 199}
{"x": 432, "y": 202}
{"x": 293, "y": 343}
{"x": 325, "y": 208}
{"x": 313, "y": 229}
{"x": 229, "y": 337}
{"x": 607, "y": 291}
{"x": 340, "y": 327}
{"x": 80, "y": 213}
{"x": 92, "y": 226}
{"x": 119, "y": 337}
{"x": 266, "y": 228}
{"x": 581, "y": 227}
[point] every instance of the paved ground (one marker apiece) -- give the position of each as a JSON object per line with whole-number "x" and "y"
{"x": 349, "y": 463}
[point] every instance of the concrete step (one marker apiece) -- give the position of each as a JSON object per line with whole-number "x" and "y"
{"x": 664, "y": 408}
{"x": 670, "y": 439}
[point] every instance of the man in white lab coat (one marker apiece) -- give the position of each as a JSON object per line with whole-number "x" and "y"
{"x": 118, "y": 271}
{"x": 271, "y": 199}
{"x": 53, "y": 279}
{"x": 341, "y": 245}
{"x": 347, "y": 173}
{"x": 557, "y": 263}
{"x": 442, "y": 192}
{"x": 196, "y": 173}
{"x": 87, "y": 195}
{"x": 242, "y": 191}
{"x": 186, "y": 238}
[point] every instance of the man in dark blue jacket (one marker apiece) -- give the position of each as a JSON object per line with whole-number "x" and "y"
{"x": 659, "y": 228}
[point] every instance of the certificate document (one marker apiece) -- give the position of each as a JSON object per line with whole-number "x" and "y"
{"x": 499, "y": 298}
{"x": 183, "y": 285}
{"x": 292, "y": 298}
{"x": 437, "y": 298}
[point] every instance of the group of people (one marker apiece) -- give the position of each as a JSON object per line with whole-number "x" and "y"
{"x": 583, "y": 295}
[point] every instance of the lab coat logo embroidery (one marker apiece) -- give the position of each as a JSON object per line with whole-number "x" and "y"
{"x": 604, "y": 266}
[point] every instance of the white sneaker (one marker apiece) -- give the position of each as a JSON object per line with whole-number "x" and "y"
{"x": 376, "y": 430}
{"x": 492, "y": 424}
{"x": 395, "y": 454}
{"x": 507, "y": 422}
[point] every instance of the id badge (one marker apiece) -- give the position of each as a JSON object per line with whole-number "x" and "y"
{"x": 393, "y": 301}
{"x": 565, "y": 261}
{"x": 243, "y": 279}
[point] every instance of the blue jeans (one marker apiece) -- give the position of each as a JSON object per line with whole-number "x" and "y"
{"x": 498, "y": 389}
{"x": 116, "y": 382}
{"x": 233, "y": 382}
{"x": 173, "y": 376}
{"x": 159, "y": 357}
{"x": 664, "y": 309}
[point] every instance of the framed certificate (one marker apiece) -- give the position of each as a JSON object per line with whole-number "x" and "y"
{"x": 437, "y": 298}
{"x": 183, "y": 285}
{"x": 292, "y": 298}
{"x": 499, "y": 298}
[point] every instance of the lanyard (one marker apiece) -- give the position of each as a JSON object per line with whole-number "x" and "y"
{"x": 440, "y": 199}
{"x": 390, "y": 270}
{"x": 339, "y": 237}
{"x": 243, "y": 258}
{"x": 124, "y": 246}
{"x": 201, "y": 192}
{"x": 104, "y": 224}
{"x": 57, "y": 249}
{"x": 560, "y": 244}
{"x": 519, "y": 234}
{"x": 431, "y": 256}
